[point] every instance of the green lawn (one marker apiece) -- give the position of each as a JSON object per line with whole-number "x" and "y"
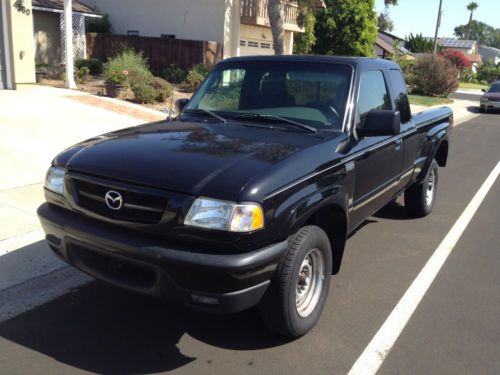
{"x": 428, "y": 101}
{"x": 466, "y": 85}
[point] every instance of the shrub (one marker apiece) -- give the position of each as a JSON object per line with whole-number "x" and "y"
{"x": 98, "y": 25}
{"x": 488, "y": 72}
{"x": 163, "y": 89}
{"x": 135, "y": 77}
{"x": 457, "y": 58}
{"x": 408, "y": 69}
{"x": 82, "y": 74}
{"x": 118, "y": 68}
{"x": 95, "y": 66}
{"x": 468, "y": 75}
{"x": 202, "y": 69}
{"x": 144, "y": 92}
{"x": 193, "y": 80}
{"x": 174, "y": 74}
{"x": 435, "y": 76}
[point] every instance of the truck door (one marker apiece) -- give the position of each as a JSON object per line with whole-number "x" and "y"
{"x": 408, "y": 129}
{"x": 379, "y": 162}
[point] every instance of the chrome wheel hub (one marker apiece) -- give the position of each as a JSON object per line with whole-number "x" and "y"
{"x": 431, "y": 187}
{"x": 310, "y": 282}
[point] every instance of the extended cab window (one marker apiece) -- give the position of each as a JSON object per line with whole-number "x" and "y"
{"x": 372, "y": 93}
{"x": 401, "y": 102}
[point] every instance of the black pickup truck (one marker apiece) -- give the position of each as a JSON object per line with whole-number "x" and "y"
{"x": 248, "y": 197}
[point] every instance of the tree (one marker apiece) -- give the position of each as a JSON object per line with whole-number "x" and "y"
{"x": 419, "y": 44}
{"x": 472, "y": 6}
{"x": 346, "y": 27}
{"x": 305, "y": 41}
{"x": 384, "y": 22}
{"x": 457, "y": 58}
{"x": 480, "y": 31}
{"x": 276, "y": 10}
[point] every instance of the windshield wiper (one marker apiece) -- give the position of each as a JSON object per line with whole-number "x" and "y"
{"x": 258, "y": 116}
{"x": 206, "y": 111}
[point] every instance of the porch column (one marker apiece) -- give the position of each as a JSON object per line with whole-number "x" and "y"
{"x": 68, "y": 44}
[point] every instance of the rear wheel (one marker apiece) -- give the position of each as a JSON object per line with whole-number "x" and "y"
{"x": 296, "y": 297}
{"x": 420, "y": 198}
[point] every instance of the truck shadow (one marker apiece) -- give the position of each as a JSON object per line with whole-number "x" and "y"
{"x": 102, "y": 329}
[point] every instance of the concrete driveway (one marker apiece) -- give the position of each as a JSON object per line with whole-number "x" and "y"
{"x": 36, "y": 123}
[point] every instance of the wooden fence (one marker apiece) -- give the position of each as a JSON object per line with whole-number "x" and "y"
{"x": 160, "y": 52}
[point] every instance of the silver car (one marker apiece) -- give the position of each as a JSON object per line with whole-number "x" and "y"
{"x": 491, "y": 98}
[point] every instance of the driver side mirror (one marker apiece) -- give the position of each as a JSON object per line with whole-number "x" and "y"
{"x": 180, "y": 104}
{"x": 379, "y": 123}
{"x": 483, "y": 90}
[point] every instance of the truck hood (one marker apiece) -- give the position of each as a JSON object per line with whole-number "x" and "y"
{"x": 215, "y": 160}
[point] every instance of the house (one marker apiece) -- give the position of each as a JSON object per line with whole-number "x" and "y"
{"x": 48, "y": 24}
{"x": 468, "y": 47}
{"x": 242, "y": 26}
{"x": 489, "y": 54}
{"x": 17, "y": 53}
{"x": 384, "y": 45}
{"x": 33, "y": 30}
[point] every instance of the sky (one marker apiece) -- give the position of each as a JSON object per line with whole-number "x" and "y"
{"x": 419, "y": 16}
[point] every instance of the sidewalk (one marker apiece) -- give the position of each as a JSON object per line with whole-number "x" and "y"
{"x": 463, "y": 110}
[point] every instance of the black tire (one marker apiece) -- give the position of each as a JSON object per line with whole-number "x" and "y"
{"x": 278, "y": 308}
{"x": 482, "y": 109}
{"x": 417, "y": 201}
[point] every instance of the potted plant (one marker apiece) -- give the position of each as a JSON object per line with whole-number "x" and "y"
{"x": 114, "y": 82}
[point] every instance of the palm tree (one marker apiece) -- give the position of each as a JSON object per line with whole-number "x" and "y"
{"x": 276, "y": 10}
{"x": 471, "y": 7}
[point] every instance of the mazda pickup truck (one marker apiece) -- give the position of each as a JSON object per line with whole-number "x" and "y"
{"x": 248, "y": 197}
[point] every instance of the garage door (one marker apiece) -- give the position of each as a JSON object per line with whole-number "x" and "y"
{"x": 2, "y": 54}
{"x": 250, "y": 47}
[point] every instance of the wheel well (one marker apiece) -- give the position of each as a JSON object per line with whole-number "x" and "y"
{"x": 442, "y": 154}
{"x": 332, "y": 219}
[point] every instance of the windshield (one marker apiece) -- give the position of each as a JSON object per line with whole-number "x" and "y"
{"x": 495, "y": 88}
{"x": 312, "y": 94}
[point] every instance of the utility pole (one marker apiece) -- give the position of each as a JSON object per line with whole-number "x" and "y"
{"x": 438, "y": 23}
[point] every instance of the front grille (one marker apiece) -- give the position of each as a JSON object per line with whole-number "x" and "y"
{"x": 136, "y": 207}
{"x": 494, "y": 99}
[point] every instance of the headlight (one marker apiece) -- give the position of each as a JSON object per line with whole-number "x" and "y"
{"x": 222, "y": 215}
{"x": 54, "y": 181}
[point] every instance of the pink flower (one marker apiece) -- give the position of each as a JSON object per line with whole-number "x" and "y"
{"x": 125, "y": 72}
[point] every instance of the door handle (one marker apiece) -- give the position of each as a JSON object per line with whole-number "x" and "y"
{"x": 398, "y": 143}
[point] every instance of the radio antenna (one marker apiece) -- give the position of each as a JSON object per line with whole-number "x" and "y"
{"x": 169, "y": 118}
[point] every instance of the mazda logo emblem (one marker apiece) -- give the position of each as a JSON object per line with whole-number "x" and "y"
{"x": 114, "y": 200}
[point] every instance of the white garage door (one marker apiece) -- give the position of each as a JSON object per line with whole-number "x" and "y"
{"x": 250, "y": 47}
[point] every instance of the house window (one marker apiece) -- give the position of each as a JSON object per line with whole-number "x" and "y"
{"x": 253, "y": 44}
{"x": 133, "y": 32}
{"x": 243, "y": 43}
{"x": 265, "y": 45}
{"x": 168, "y": 36}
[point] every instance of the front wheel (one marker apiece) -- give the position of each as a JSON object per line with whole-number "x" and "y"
{"x": 296, "y": 297}
{"x": 420, "y": 198}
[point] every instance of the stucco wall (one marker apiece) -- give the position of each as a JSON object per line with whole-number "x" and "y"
{"x": 47, "y": 37}
{"x": 204, "y": 19}
{"x": 21, "y": 42}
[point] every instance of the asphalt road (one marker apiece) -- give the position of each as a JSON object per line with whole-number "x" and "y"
{"x": 465, "y": 96}
{"x": 455, "y": 329}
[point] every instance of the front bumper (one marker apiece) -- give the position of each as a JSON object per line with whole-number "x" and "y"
{"x": 211, "y": 281}
{"x": 488, "y": 105}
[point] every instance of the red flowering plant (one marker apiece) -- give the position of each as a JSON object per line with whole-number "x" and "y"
{"x": 457, "y": 58}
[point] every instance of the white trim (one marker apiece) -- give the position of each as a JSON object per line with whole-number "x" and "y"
{"x": 60, "y": 11}
{"x": 6, "y": 45}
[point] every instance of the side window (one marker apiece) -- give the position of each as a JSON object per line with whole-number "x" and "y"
{"x": 224, "y": 92}
{"x": 372, "y": 93}
{"x": 401, "y": 102}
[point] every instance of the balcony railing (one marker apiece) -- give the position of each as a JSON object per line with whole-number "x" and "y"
{"x": 254, "y": 12}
